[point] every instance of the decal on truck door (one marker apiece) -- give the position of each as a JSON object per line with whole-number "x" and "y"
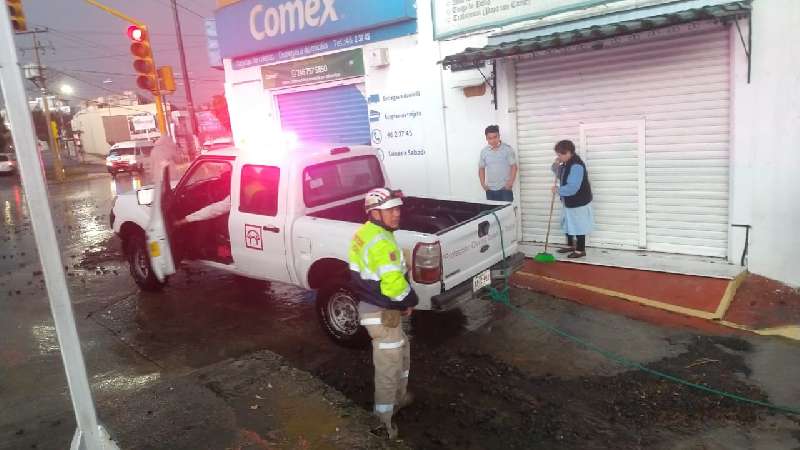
{"x": 252, "y": 237}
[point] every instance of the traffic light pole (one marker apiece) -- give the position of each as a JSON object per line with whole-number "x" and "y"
{"x": 89, "y": 434}
{"x": 161, "y": 118}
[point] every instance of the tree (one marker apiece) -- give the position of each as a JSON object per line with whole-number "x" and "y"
{"x": 40, "y": 124}
{"x": 58, "y": 117}
{"x": 219, "y": 106}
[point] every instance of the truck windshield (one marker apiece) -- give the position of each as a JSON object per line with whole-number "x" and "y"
{"x": 121, "y": 151}
{"x": 338, "y": 180}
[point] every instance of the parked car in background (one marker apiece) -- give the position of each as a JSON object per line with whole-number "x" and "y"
{"x": 129, "y": 156}
{"x": 8, "y": 164}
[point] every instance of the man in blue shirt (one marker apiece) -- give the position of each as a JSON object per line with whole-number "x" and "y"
{"x": 498, "y": 167}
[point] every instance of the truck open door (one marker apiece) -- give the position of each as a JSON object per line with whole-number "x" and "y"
{"x": 159, "y": 229}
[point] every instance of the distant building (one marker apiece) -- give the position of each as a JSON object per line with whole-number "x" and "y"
{"x": 107, "y": 120}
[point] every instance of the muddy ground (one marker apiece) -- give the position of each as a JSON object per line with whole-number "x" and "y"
{"x": 484, "y": 376}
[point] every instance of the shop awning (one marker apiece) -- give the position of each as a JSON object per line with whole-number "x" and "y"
{"x": 618, "y": 24}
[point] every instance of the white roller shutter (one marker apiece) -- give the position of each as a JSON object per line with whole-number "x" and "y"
{"x": 661, "y": 107}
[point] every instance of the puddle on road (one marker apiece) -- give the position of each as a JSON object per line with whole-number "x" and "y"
{"x": 120, "y": 383}
{"x": 45, "y": 338}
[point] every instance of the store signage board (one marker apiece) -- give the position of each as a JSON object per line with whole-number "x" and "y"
{"x": 252, "y": 26}
{"x": 320, "y": 69}
{"x": 459, "y": 17}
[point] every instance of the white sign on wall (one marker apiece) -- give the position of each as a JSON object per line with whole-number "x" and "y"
{"x": 455, "y": 17}
{"x": 142, "y": 123}
{"x": 397, "y": 129}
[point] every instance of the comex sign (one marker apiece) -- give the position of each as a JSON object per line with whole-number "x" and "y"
{"x": 251, "y": 27}
{"x": 290, "y": 16}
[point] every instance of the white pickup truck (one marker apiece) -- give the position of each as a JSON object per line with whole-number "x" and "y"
{"x": 292, "y": 216}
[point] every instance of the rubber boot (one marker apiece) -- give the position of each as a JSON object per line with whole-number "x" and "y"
{"x": 387, "y": 425}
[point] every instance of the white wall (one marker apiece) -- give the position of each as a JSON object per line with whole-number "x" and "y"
{"x": 467, "y": 117}
{"x": 767, "y": 143}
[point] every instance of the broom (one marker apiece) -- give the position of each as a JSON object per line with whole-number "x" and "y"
{"x": 545, "y": 257}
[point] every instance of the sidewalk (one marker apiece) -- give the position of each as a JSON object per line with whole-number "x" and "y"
{"x": 720, "y": 305}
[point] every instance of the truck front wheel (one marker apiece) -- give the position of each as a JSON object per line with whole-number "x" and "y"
{"x": 139, "y": 262}
{"x": 337, "y": 308}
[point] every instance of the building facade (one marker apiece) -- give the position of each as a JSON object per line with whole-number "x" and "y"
{"x": 685, "y": 111}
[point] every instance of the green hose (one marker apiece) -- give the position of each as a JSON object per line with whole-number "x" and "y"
{"x": 502, "y": 296}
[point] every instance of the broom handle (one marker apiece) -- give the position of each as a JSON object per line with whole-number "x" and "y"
{"x": 550, "y": 218}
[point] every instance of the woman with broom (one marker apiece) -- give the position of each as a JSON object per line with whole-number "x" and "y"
{"x": 572, "y": 185}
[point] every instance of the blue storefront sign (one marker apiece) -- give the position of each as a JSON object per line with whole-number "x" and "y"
{"x": 251, "y": 27}
{"x": 341, "y": 42}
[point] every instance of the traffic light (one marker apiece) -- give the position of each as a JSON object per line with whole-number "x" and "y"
{"x": 143, "y": 58}
{"x": 166, "y": 80}
{"x": 17, "y": 15}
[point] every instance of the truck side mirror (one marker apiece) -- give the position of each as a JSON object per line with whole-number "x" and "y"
{"x": 144, "y": 196}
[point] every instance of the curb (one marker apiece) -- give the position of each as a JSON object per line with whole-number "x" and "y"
{"x": 789, "y": 331}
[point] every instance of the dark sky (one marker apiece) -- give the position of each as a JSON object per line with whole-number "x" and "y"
{"x": 90, "y": 46}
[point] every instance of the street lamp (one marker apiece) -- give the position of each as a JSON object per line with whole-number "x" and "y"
{"x": 67, "y": 89}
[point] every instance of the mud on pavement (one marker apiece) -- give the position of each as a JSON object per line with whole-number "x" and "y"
{"x": 253, "y": 402}
{"x": 470, "y": 400}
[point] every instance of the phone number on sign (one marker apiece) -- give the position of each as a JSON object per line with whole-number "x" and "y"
{"x": 394, "y": 134}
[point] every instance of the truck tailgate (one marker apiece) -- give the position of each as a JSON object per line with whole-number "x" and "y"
{"x": 474, "y": 246}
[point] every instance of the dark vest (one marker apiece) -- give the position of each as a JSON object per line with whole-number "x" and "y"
{"x": 584, "y": 195}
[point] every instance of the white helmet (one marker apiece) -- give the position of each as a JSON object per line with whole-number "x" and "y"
{"x": 382, "y": 198}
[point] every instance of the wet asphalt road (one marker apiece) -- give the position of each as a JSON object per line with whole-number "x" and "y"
{"x": 484, "y": 378}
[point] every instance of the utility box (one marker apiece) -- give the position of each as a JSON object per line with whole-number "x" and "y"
{"x": 377, "y": 57}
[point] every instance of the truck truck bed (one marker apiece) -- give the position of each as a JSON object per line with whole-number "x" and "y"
{"x": 423, "y": 215}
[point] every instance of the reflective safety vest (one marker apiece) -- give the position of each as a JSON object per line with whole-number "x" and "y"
{"x": 378, "y": 269}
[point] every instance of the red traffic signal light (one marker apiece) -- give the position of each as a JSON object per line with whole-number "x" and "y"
{"x": 136, "y": 33}
{"x": 143, "y": 58}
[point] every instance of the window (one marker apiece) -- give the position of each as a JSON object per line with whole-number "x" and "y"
{"x": 121, "y": 151}
{"x": 147, "y": 150}
{"x": 259, "y": 194}
{"x": 207, "y": 170}
{"x": 4, "y": 158}
{"x": 341, "y": 179}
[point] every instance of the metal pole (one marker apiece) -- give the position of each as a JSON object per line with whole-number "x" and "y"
{"x": 185, "y": 73}
{"x": 58, "y": 165}
{"x": 89, "y": 434}
{"x": 161, "y": 118}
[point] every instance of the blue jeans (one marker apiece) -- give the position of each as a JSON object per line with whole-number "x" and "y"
{"x": 502, "y": 195}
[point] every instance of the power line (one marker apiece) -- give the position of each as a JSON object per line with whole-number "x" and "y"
{"x": 81, "y": 80}
{"x": 80, "y": 40}
{"x": 117, "y": 33}
{"x": 120, "y": 55}
{"x": 187, "y": 9}
{"x": 102, "y": 72}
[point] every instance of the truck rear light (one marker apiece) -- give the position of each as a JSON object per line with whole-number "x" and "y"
{"x": 427, "y": 263}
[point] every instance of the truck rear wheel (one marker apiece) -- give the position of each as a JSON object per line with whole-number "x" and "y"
{"x": 139, "y": 262}
{"x": 337, "y": 308}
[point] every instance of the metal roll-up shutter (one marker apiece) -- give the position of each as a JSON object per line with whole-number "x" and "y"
{"x": 331, "y": 115}
{"x": 652, "y": 122}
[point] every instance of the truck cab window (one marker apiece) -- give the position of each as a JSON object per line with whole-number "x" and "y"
{"x": 259, "y": 190}
{"x": 208, "y": 182}
{"x": 341, "y": 179}
{"x": 206, "y": 171}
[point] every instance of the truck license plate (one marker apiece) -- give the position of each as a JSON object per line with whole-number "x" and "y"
{"x": 481, "y": 280}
